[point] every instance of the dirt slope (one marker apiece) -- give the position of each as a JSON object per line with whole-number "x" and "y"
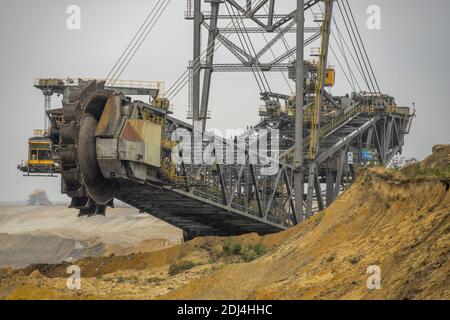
{"x": 394, "y": 220}
{"x": 400, "y": 225}
{"x": 439, "y": 159}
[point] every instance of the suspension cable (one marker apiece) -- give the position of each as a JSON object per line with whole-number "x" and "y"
{"x": 159, "y": 14}
{"x": 334, "y": 53}
{"x": 361, "y": 72}
{"x": 251, "y": 49}
{"x": 132, "y": 40}
{"x": 359, "y": 49}
{"x": 342, "y": 49}
{"x": 181, "y": 82}
{"x": 363, "y": 46}
{"x": 283, "y": 39}
{"x": 354, "y": 48}
{"x": 282, "y": 72}
{"x": 342, "y": 68}
{"x": 340, "y": 41}
{"x": 260, "y": 86}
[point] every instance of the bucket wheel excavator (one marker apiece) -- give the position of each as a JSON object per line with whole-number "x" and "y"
{"x": 82, "y": 179}
{"x": 107, "y": 146}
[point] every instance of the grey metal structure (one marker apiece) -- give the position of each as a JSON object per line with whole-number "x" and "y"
{"x": 298, "y": 147}
{"x": 111, "y": 147}
{"x": 49, "y": 87}
{"x": 249, "y": 60}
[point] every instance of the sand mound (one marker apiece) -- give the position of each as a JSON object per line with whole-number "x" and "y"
{"x": 440, "y": 157}
{"x": 437, "y": 165}
{"x": 400, "y": 225}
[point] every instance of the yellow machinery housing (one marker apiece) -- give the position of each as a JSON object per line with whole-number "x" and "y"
{"x": 330, "y": 78}
{"x": 40, "y": 159}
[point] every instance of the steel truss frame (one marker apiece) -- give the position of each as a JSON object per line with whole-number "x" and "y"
{"x": 323, "y": 149}
{"x": 242, "y": 189}
{"x": 266, "y": 22}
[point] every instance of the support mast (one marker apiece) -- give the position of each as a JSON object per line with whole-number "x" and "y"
{"x": 298, "y": 157}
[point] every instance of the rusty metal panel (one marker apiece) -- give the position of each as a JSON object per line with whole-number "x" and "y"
{"x": 131, "y": 151}
{"x": 139, "y": 170}
{"x": 142, "y": 134}
{"x": 108, "y": 158}
{"x": 112, "y": 168}
{"x": 106, "y": 148}
{"x": 110, "y": 117}
{"x": 130, "y": 133}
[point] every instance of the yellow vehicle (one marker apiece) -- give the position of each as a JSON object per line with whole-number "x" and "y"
{"x": 40, "y": 159}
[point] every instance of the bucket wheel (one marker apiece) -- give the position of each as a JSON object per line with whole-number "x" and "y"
{"x": 81, "y": 176}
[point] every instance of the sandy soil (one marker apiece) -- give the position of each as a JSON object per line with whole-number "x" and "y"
{"x": 401, "y": 225}
{"x": 396, "y": 221}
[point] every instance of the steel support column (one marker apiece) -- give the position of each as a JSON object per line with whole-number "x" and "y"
{"x": 198, "y": 17}
{"x": 298, "y": 153}
{"x": 382, "y": 137}
{"x": 388, "y": 136}
{"x": 369, "y": 138}
{"x": 317, "y": 111}
{"x": 209, "y": 63}
{"x": 340, "y": 172}
{"x": 319, "y": 196}
{"x": 47, "y": 106}
{"x": 310, "y": 190}
{"x": 330, "y": 188}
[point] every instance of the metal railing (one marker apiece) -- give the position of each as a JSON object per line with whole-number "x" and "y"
{"x": 347, "y": 115}
{"x": 138, "y": 84}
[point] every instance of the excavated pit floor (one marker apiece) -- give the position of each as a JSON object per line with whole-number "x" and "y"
{"x": 31, "y": 235}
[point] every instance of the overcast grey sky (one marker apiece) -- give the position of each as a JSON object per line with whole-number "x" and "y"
{"x": 410, "y": 55}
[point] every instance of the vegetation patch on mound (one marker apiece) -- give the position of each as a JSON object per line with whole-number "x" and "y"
{"x": 436, "y": 165}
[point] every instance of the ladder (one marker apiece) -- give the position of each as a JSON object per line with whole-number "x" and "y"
{"x": 190, "y": 110}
